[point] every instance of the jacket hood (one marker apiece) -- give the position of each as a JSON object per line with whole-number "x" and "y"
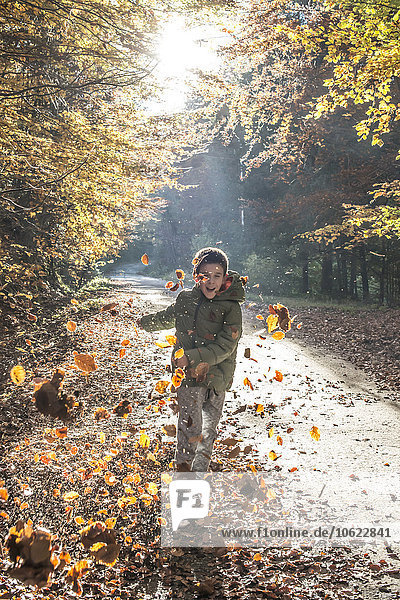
{"x": 233, "y": 288}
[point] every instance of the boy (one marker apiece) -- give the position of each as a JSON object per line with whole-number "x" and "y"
{"x": 208, "y": 321}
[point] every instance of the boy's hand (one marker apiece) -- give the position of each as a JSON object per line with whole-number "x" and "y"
{"x": 182, "y": 362}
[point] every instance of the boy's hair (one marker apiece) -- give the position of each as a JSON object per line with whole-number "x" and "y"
{"x": 206, "y": 256}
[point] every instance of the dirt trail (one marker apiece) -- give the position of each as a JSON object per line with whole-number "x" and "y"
{"x": 356, "y": 422}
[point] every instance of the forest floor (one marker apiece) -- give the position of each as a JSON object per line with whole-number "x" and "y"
{"x": 106, "y": 465}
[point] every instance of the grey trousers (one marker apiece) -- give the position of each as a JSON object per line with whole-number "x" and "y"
{"x": 200, "y": 410}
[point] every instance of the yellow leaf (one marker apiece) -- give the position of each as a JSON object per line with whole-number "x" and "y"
{"x": 18, "y": 374}
{"x": 102, "y": 437}
{"x": 315, "y": 434}
{"x": 69, "y": 496}
{"x": 161, "y": 386}
{"x": 272, "y": 322}
{"x": 171, "y": 339}
{"x": 179, "y": 353}
{"x": 272, "y": 455}
{"x": 271, "y": 432}
{"x": 144, "y": 440}
{"x": 257, "y": 557}
{"x": 152, "y": 488}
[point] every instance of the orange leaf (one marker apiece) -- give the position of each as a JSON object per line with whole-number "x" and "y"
{"x": 260, "y": 317}
{"x": 278, "y": 376}
{"x": 71, "y": 326}
{"x": 257, "y": 557}
{"x": 125, "y": 343}
{"x": 122, "y": 352}
{"x": 299, "y": 325}
{"x": 110, "y": 479}
{"x": 279, "y": 440}
{"x": 293, "y": 469}
{"x": 179, "y": 353}
{"x": 315, "y": 434}
{"x": 247, "y": 382}
{"x": 171, "y": 339}
{"x": 176, "y": 381}
{"x": 278, "y": 335}
{"x": 180, "y": 274}
{"x": 260, "y": 408}
{"x": 3, "y": 494}
{"x": 169, "y": 285}
{"x": 161, "y": 386}
{"x": 272, "y": 455}
{"x": 145, "y": 259}
{"x": 18, "y": 374}
{"x": 85, "y": 362}
{"x": 32, "y": 317}
{"x": 61, "y": 432}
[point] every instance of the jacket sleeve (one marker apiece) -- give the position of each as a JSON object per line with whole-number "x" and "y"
{"x": 163, "y": 319}
{"x": 225, "y": 342}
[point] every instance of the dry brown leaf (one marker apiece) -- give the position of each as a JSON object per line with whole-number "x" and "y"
{"x": 85, "y": 362}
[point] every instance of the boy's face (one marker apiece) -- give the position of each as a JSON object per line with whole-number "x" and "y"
{"x": 212, "y": 279}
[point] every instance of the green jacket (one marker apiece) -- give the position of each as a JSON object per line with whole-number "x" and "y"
{"x": 207, "y": 330}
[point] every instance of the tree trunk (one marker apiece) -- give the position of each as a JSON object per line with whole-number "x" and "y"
{"x": 304, "y": 261}
{"x": 364, "y": 274}
{"x": 327, "y": 273}
{"x": 353, "y": 275}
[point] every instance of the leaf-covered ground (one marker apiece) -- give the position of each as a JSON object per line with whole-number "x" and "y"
{"x": 106, "y": 465}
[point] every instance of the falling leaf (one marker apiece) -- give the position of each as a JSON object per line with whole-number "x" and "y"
{"x": 171, "y": 339}
{"x": 175, "y": 287}
{"x": 257, "y": 557}
{"x": 278, "y": 376}
{"x": 163, "y": 344}
{"x": 101, "y": 413}
{"x": 109, "y": 306}
{"x": 271, "y": 432}
{"x": 179, "y": 353}
{"x": 234, "y": 452}
{"x": 161, "y": 386}
{"x": 61, "y": 432}
{"x": 85, "y": 362}
{"x": 272, "y": 322}
{"x": 169, "y": 285}
{"x": 18, "y": 374}
{"x": 71, "y": 326}
{"x": 122, "y": 352}
{"x": 69, "y": 496}
{"x": 73, "y": 301}
{"x": 260, "y": 317}
{"x": 144, "y": 440}
{"x": 180, "y": 274}
{"x": 247, "y": 382}
{"x": 152, "y": 488}
{"x": 260, "y": 408}
{"x": 3, "y": 494}
{"x": 102, "y": 437}
{"x": 110, "y": 479}
{"x": 169, "y": 430}
{"x": 278, "y": 335}
{"x": 125, "y": 343}
{"x": 279, "y": 440}
{"x": 145, "y": 259}
{"x": 315, "y": 434}
{"x": 32, "y": 317}
{"x": 289, "y": 429}
{"x": 229, "y": 442}
{"x": 78, "y": 521}
{"x": 272, "y": 455}
{"x": 293, "y": 469}
{"x": 299, "y": 325}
